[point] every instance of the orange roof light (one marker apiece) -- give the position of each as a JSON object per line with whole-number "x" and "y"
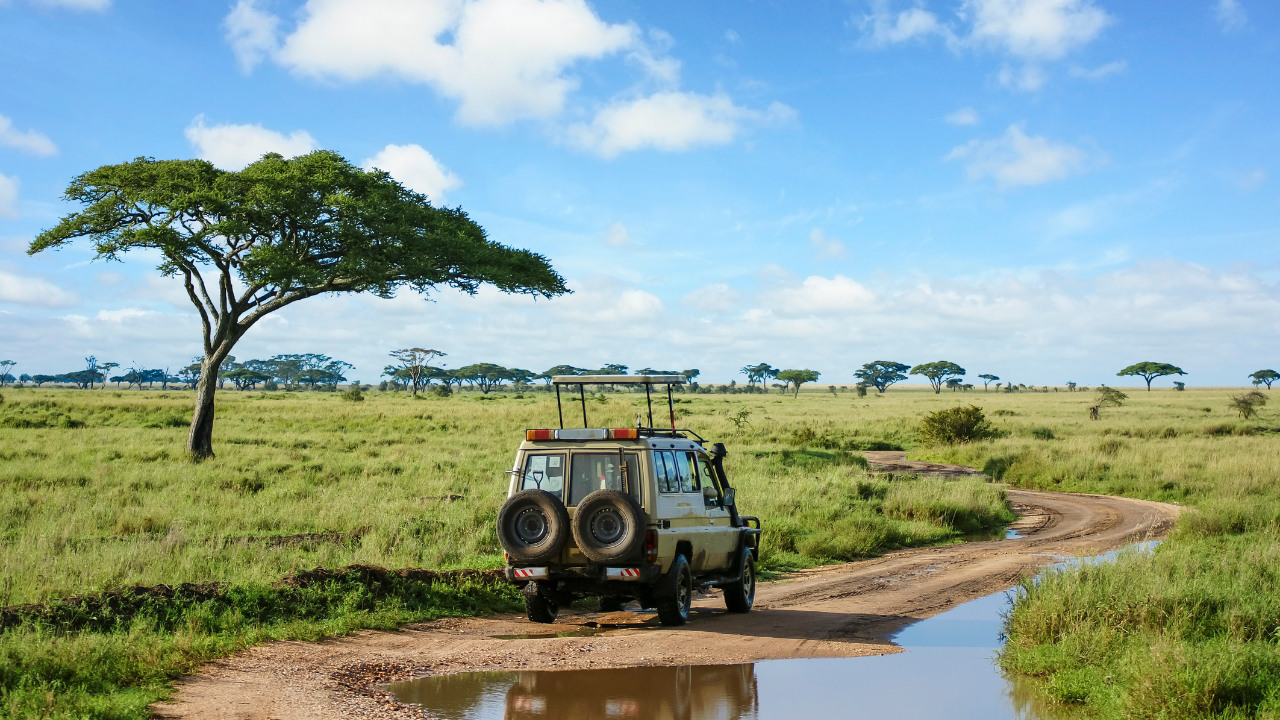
{"x": 624, "y": 433}
{"x": 534, "y": 435}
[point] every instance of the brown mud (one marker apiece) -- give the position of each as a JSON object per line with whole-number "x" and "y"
{"x": 843, "y": 610}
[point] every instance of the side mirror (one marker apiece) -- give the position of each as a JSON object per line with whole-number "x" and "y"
{"x": 728, "y": 498}
{"x": 710, "y": 494}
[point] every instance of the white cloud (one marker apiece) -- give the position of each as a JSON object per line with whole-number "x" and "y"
{"x": 33, "y": 291}
{"x": 231, "y": 147}
{"x": 617, "y": 236}
{"x": 716, "y": 298}
{"x": 8, "y": 196}
{"x": 416, "y": 169}
{"x": 1099, "y": 72}
{"x": 671, "y": 121}
{"x": 1034, "y": 29}
{"x": 1231, "y": 15}
{"x": 825, "y": 248}
{"x": 1030, "y": 31}
{"x": 818, "y": 295}
{"x": 963, "y": 116}
{"x": 98, "y": 5}
{"x": 501, "y": 59}
{"x": 732, "y": 36}
{"x": 1016, "y": 159}
{"x": 252, "y": 33}
{"x": 30, "y": 141}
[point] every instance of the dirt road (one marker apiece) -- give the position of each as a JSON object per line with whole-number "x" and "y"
{"x": 835, "y": 611}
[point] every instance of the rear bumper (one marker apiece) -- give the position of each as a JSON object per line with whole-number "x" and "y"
{"x": 576, "y": 574}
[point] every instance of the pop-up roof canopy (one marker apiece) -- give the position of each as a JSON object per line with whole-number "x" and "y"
{"x": 647, "y": 380}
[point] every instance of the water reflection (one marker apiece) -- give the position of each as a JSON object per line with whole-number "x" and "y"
{"x": 947, "y": 671}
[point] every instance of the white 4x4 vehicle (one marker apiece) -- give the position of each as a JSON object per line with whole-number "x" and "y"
{"x": 624, "y": 513}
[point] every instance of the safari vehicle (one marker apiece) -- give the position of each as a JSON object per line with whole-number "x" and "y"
{"x": 633, "y": 513}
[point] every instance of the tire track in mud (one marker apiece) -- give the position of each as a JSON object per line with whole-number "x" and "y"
{"x": 834, "y": 611}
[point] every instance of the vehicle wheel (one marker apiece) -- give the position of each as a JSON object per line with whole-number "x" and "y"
{"x": 674, "y": 609}
{"x": 539, "y": 609}
{"x": 739, "y": 596}
{"x": 609, "y": 526}
{"x": 612, "y": 604}
{"x": 533, "y": 526}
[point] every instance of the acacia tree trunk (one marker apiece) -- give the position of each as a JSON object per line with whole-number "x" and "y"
{"x": 200, "y": 436}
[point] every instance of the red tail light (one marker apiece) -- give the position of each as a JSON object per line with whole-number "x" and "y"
{"x": 651, "y": 546}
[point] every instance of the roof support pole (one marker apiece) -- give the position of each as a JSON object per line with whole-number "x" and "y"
{"x": 648, "y": 399}
{"x": 582, "y": 395}
{"x": 559, "y": 409}
{"x": 671, "y": 405}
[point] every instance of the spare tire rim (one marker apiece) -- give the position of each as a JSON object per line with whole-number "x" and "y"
{"x": 531, "y": 526}
{"x": 608, "y": 527}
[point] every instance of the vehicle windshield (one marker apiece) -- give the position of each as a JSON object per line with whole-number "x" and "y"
{"x": 544, "y": 471}
{"x": 599, "y": 471}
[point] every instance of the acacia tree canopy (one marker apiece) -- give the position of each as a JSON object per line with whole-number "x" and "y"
{"x": 248, "y": 243}
{"x": 882, "y": 374}
{"x": 938, "y": 373}
{"x": 796, "y": 378}
{"x": 1265, "y": 377}
{"x": 1150, "y": 371}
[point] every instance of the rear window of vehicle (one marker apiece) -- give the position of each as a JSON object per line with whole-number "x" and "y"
{"x": 600, "y": 471}
{"x": 664, "y": 469}
{"x": 544, "y": 471}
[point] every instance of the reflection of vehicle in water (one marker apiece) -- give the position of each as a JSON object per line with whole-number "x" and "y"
{"x": 722, "y": 692}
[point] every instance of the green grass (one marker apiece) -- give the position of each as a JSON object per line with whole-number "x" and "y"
{"x": 1189, "y": 631}
{"x": 96, "y": 495}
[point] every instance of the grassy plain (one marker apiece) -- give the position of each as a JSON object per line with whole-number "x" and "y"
{"x": 96, "y": 495}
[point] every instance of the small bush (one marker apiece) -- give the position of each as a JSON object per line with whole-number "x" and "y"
{"x": 1003, "y": 413}
{"x": 1042, "y": 433}
{"x": 442, "y": 391}
{"x": 355, "y": 394}
{"x": 962, "y": 424}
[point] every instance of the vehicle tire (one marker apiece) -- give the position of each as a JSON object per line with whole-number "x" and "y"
{"x": 533, "y": 526}
{"x": 612, "y": 604}
{"x": 741, "y": 595}
{"x": 609, "y": 526}
{"x": 674, "y": 609}
{"x": 539, "y": 609}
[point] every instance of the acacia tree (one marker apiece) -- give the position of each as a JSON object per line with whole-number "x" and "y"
{"x": 1265, "y": 377}
{"x": 938, "y": 373}
{"x": 987, "y": 379}
{"x": 415, "y": 362}
{"x": 796, "y": 378}
{"x": 5, "y": 365}
{"x": 1150, "y": 371}
{"x": 249, "y": 243}
{"x": 882, "y": 374}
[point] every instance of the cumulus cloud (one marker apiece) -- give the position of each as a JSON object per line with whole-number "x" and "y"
{"x": 252, "y": 32}
{"x": 1016, "y": 159}
{"x": 1032, "y": 32}
{"x": 1230, "y": 15}
{"x": 502, "y": 60}
{"x": 30, "y": 141}
{"x": 8, "y": 196}
{"x": 34, "y": 292}
{"x": 231, "y": 147}
{"x": 963, "y": 116}
{"x": 416, "y": 169}
{"x": 670, "y": 121}
{"x": 616, "y": 235}
{"x": 824, "y": 247}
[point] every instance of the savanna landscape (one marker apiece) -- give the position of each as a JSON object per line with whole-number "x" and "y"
{"x": 100, "y": 498}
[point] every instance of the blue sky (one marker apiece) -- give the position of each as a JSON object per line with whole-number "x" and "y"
{"x": 1047, "y": 190}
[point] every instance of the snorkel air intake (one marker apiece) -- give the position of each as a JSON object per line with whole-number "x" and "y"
{"x": 718, "y": 453}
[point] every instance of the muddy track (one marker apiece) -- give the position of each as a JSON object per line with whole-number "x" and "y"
{"x": 835, "y": 611}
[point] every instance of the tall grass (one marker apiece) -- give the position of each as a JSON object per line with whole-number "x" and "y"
{"x": 96, "y": 495}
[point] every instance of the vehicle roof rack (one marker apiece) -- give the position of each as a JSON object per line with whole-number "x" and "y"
{"x": 647, "y": 380}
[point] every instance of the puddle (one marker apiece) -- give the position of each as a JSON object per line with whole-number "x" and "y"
{"x": 946, "y": 671}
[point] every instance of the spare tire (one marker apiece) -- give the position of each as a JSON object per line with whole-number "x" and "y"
{"x": 609, "y": 526}
{"x": 533, "y": 526}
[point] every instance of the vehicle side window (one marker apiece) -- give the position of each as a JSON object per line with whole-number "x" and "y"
{"x": 708, "y": 475}
{"x": 688, "y": 470}
{"x": 664, "y": 467}
{"x": 600, "y": 471}
{"x": 544, "y": 471}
